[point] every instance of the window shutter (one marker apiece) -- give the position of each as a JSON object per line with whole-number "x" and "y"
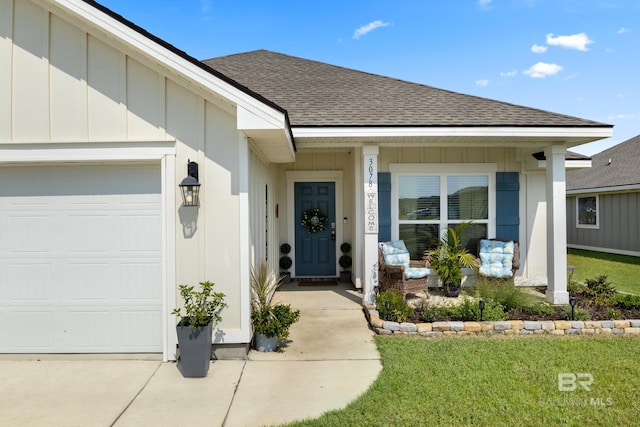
{"x": 507, "y": 205}
{"x": 384, "y": 206}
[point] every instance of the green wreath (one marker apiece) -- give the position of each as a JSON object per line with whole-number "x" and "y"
{"x": 314, "y": 220}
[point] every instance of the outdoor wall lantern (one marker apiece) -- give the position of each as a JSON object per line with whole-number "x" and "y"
{"x": 190, "y": 186}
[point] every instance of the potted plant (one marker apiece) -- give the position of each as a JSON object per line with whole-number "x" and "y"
{"x": 201, "y": 311}
{"x": 449, "y": 258}
{"x": 271, "y": 322}
{"x": 345, "y": 262}
{"x": 285, "y": 263}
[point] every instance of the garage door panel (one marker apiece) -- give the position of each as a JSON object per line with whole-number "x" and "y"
{"x": 31, "y": 282}
{"x": 82, "y": 269}
{"x": 140, "y": 281}
{"x": 89, "y": 281}
{"x": 32, "y": 330}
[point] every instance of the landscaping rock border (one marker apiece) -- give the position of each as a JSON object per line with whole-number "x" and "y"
{"x": 507, "y": 327}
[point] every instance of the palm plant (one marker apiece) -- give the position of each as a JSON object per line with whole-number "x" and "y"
{"x": 450, "y": 257}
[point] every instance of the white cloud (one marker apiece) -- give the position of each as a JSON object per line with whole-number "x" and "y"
{"x": 542, "y": 70}
{"x": 366, "y": 29}
{"x": 484, "y": 3}
{"x": 622, "y": 116}
{"x": 482, "y": 83}
{"x": 511, "y": 73}
{"x": 536, "y": 48}
{"x": 205, "y": 6}
{"x": 575, "y": 41}
{"x": 623, "y": 30}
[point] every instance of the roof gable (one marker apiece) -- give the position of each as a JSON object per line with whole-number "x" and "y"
{"x": 318, "y": 94}
{"x": 614, "y": 167}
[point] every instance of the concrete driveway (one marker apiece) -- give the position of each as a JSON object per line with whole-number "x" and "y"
{"x": 329, "y": 361}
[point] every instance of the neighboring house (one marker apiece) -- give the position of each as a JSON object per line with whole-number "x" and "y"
{"x": 603, "y": 202}
{"x": 99, "y": 119}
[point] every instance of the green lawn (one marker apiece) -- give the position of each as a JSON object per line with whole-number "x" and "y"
{"x": 497, "y": 381}
{"x": 623, "y": 271}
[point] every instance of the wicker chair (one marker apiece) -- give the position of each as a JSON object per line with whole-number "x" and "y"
{"x": 498, "y": 258}
{"x": 398, "y": 272}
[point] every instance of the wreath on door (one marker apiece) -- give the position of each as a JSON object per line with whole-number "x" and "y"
{"x": 314, "y": 220}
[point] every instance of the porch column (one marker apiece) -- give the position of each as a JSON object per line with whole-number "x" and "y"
{"x": 556, "y": 225}
{"x": 370, "y": 221}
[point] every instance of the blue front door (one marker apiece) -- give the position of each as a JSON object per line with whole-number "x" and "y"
{"x": 315, "y": 251}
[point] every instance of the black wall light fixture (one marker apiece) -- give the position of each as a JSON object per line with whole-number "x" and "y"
{"x": 190, "y": 186}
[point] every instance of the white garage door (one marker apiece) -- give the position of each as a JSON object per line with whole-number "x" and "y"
{"x": 80, "y": 259}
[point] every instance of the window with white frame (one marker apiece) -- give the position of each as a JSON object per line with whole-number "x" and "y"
{"x": 587, "y": 212}
{"x": 427, "y": 203}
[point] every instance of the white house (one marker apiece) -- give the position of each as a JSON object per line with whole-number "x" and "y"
{"x": 99, "y": 119}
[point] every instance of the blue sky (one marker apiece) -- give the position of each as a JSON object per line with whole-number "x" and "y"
{"x": 575, "y": 57}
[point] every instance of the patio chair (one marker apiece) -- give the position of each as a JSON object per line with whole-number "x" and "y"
{"x": 498, "y": 258}
{"x": 398, "y": 271}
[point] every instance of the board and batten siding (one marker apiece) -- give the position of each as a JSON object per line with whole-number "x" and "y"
{"x": 63, "y": 81}
{"x": 619, "y": 224}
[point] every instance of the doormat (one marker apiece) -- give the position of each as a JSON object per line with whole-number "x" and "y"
{"x": 318, "y": 283}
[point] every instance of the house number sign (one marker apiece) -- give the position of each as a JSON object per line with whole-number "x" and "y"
{"x": 371, "y": 194}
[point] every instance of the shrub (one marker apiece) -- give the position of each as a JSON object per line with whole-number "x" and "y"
{"x": 541, "y": 309}
{"x": 345, "y": 261}
{"x": 285, "y": 262}
{"x": 467, "y": 310}
{"x": 579, "y": 313}
{"x": 599, "y": 291}
{"x": 200, "y": 307}
{"x": 627, "y": 301}
{"x": 274, "y": 320}
{"x": 345, "y": 248}
{"x": 613, "y": 314}
{"x": 399, "y": 310}
{"x": 505, "y": 293}
{"x": 432, "y": 312}
{"x": 285, "y": 248}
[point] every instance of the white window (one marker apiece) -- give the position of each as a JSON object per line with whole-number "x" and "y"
{"x": 587, "y": 210}
{"x": 427, "y": 201}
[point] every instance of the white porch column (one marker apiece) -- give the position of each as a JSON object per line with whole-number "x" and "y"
{"x": 556, "y": 225}
{"x": 370, "y": 221}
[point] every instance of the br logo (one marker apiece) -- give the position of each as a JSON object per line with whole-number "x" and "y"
{"x": 570, "y": 381}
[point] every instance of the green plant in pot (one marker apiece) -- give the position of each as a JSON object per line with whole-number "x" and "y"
{"x": 201, "y": 311}
{"x": 271, "y": 322}
{"x": 449, "y": 258}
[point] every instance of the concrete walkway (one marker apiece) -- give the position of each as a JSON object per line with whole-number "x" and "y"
{"x": 329, "y": 360}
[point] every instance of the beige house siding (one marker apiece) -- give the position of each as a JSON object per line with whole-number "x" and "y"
{"x": 64, "y": 83}
{"x": 532, "y": 190}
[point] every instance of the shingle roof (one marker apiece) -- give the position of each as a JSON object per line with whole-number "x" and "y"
{"x": 613, "y": 167}
{"x": 320, "y": 94}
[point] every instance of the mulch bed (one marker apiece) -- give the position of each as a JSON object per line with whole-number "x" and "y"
{"x": 596, "y": 313}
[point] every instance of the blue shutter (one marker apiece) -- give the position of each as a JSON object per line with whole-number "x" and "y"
{"x": 384, "y": 206}
{"x": 507, "y": 205}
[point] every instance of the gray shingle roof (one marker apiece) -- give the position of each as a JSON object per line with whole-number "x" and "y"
{"x": 319, "y": 94}
{"x": 623, "y": 169}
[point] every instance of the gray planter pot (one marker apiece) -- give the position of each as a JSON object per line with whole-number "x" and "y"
{"x": 265, "y": 343}
{"x": 195, "y": 350}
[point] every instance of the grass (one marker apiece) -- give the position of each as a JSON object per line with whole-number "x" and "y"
{"x": 623, "y": 271}
{"x": 497, "y": 381}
